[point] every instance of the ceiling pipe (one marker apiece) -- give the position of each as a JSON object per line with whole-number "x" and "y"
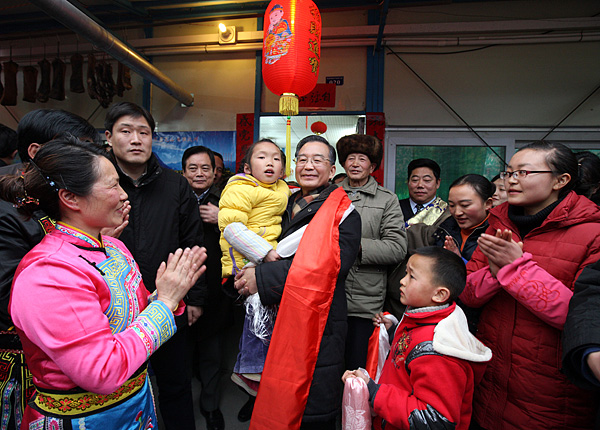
{"x": 248, "y": 41}
{"x": 497, "y": 40}
{"x": 70, "y": 16}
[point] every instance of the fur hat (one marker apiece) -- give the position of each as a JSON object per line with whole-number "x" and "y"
{"x": 362, "y": 144}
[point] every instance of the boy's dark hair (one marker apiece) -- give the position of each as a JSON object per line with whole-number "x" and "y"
{"x": 121, "y": 109}
{"x": 198, "y": 150}
{"x": 448, "y": 269}
{"x": 8, "y": 141}
{"x": 424, "y": 162}
{"x": 43, "y": 125}
{"x": 315, "y": 138}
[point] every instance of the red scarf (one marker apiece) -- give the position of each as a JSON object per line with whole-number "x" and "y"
{"x": 302, "y": 316}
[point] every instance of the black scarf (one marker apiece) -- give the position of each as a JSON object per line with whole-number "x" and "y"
{"x": 526, "y": 223}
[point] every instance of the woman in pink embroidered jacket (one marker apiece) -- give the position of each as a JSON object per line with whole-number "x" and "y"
{"x": 78, "y": 302}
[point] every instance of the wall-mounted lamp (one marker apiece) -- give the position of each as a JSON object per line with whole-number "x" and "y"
{"x": 227, "y": 34}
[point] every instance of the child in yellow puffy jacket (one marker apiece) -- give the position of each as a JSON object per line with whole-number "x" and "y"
{"x": 250, "y": 213}
{"x": 253, "y": 201}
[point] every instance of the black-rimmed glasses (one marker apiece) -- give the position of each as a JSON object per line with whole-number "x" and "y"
{"x": 518, "y": 174}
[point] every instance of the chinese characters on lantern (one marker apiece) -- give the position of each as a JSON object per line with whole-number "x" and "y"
{"x": 314, "y": 39}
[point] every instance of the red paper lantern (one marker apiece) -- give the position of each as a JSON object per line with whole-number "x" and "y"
{"x": 291, "y": 50}
{"x": 318, "y": 127}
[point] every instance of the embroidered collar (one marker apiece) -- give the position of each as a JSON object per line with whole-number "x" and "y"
{"x": 95, "y": 244}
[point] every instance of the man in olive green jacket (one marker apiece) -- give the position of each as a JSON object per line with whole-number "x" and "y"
{"x": 383, "y": 241}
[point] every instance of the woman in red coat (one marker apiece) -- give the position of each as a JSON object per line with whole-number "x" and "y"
{"x": 522, "y": 273}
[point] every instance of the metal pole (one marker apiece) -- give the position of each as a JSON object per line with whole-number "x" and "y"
{"x": 68, "y": 15}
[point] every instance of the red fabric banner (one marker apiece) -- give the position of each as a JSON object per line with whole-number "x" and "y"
{"x": 373, "y": 351}
{"x": 376, "y": 127}
{"x": 301, "y": 319}
{"x": 244, "y": 135}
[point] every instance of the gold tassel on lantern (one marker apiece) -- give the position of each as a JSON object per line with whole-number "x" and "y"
{"x": 288, "y": 147}
{"x": 288, "y": 104}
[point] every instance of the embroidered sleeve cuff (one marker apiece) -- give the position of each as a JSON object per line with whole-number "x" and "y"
{"x": 155, "y": 325}
{"x": 246, "y": 242}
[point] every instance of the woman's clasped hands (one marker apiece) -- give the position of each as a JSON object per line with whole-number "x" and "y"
{"x": 180, "y": 272}
{"x": 500, "y": 249}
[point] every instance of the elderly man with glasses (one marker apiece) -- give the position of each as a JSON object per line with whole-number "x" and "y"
{"x": 300, "y": 386}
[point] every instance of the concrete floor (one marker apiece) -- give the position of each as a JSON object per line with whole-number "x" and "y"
{"x": 232, "y": 398}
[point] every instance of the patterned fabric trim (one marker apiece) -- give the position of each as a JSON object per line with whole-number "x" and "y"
{"x": 77, "y": 404}
{"x": 72, "y": 231}
{"x": 155, "y": 325}
{"x": 48, "y": 224}
{"x": 123, "y": 279}
{"x": 39, "y": 425}
{"x": 16, "y": 385}
{"x": 6, "y": 403}
{"x": 18, "y": 401}
{"x": 430, "y": 214}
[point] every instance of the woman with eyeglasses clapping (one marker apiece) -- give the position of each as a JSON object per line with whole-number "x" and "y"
{"x": 522, "y": 274}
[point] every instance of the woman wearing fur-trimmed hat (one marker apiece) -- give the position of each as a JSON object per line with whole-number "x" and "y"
{"x": 383, "y": 240}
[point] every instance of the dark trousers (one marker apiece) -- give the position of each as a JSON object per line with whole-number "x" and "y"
{"x": 209, "y": 356}
{"x": 171, "y": 366}
{"x": 357, "y": 342}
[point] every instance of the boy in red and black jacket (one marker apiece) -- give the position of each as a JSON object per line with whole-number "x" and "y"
{"x": 428, "y": 378}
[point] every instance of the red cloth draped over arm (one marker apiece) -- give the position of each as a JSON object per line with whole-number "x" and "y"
{"x": 302, "y": 316}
